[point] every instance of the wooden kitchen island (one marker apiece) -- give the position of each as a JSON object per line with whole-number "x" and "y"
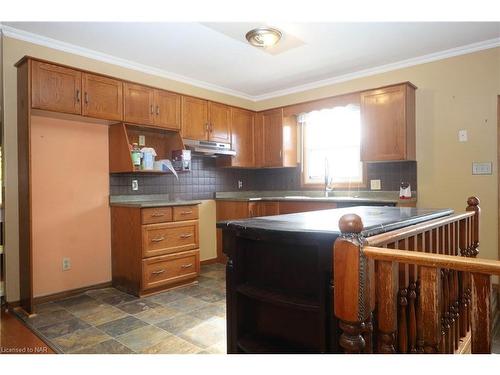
{"x": 280, "y": 276}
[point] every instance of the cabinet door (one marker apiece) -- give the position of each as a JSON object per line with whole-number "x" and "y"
{"x": 194, "y": 118}
{"x": 102, "y": 97}
{"x": 220, "y": 122}
{"x": 167, "y": 109}
{"x": 139, "y": 104}
{"x": 383, "y": 124}
{"x": 56, "y": 88}
{"x": 258, "y": 140}
{"x": 242, "y": 137}
{"x": 273, "y": 138}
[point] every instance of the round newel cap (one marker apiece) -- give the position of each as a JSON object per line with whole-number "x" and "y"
{"x": 350, "y": 223}
{"x": 473, "y": 201}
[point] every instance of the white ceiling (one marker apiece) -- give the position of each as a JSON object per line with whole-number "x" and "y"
{"x": 215, "y": 55}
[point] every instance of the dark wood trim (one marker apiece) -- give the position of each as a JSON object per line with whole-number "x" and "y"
{"x": 69, "y": 293}
{"x": 24, "y": 185}
{"x": 61, "y": 295}
{"x": 210, "y": 261}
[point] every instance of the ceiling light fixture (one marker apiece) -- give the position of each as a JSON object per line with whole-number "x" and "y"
{"x": 263, "y": 37}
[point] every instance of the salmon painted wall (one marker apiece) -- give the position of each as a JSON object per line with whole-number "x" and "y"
{"x": 71, "y": 215}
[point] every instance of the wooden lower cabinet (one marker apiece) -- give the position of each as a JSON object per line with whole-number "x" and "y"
{"x": 154, "y": 249}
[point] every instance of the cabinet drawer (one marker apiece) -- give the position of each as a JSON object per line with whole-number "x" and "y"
{"x": 185, "y": 213}
{"x": 156, "y": 215}
{"x": 159, "y": 239}
{"x": 168, "y": 269}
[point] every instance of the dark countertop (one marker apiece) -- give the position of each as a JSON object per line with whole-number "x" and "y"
{"x": 153, "y": 203}
{"x": 376, "y": 220}
{"x": 358, "y": 197}
{"x": 145, "y": 201}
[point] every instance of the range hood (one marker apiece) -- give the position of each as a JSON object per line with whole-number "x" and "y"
{"x": 209, "y": 148}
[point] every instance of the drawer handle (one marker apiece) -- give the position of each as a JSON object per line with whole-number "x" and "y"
{"x": 157, "y": 215}
{"x": 186, "y": 235}
{"x": 158, "y": 239}
{"x": 157, "y": 272}
{"x": 186, "y": 212}
{"x": 187, "y": 265}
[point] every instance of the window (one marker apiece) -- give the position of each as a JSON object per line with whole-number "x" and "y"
{"x": 331, "y": 142}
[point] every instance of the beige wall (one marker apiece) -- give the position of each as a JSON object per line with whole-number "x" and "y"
{"x": 208, "y": 236}
{"x": 455, "y": 93}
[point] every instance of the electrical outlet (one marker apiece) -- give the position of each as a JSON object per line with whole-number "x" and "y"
{"x": 142, "y": 140}
{"x": 135, "y": 185}
{"x": 240, "y": 184}
{"x": 375, "y": 184}
{"x": 66, "y": 264}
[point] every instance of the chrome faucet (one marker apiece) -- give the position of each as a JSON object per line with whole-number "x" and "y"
{"x": 328, "y": 178}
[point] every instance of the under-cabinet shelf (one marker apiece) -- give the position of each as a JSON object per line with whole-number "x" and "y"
{"x": 122, "y": 136}
{"x": 278, "y": 298}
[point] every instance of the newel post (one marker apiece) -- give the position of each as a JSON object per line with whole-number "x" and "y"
{"x": 354, "y": 293}
{"x": 480, "y": 293}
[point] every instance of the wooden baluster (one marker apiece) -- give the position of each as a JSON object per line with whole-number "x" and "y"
{"x": 421, "y": 245}
{"x": 403, "y": 303}
{"x": 412, "y": 297}
{"x": 473, "y": 205}
{"x": 354, "y": 292}
{"x": 446, "y": 313}
{"x": 463, "y": 280}
{"x": 387, "y": 290}
{"x": 456, "y": 302}
{"x": 447, "y": 243}
{"x": 368, "y": 335}
{"x": 429, "y": 307}
{"x": 481, "y": 314}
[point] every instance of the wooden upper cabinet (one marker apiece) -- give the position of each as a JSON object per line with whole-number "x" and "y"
{"x": 219, "y": 122}
{"x": 388, "y": 123}
{"x": 273, "y": 138}
{"x": 167, "y": 109}
{"x": 102, "y": 97}
{"x": 138, "y": 104}
{"x": 194, "y": 124}
{"x": 242, "y": 137}
{"x": 56, "y": 88}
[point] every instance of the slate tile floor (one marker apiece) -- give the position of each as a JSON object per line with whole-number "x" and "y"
{"x": 186, "y": 320}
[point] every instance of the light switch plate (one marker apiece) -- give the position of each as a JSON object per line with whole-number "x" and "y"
{"x": 462, "y": 135}
{"x": 142, "y": 140}
{"x": 482, "y": 168}
{"x": 375, "y": 184}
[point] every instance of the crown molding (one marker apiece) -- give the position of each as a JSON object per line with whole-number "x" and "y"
{"x": 463, "y": 50}
{"x": 99, "y": 56}
{"x": 26, "y": 36}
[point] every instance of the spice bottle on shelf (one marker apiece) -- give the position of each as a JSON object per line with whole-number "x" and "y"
{"x": 136, "y": 156}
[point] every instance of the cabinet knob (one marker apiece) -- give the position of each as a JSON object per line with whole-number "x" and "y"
{"x": 78, "y": 96}
{"x": 86, "y": 98}
{"x": 152, "y": 109}
{"x": 187, "y": 265}
{"x": 186, "y": 212}
{"x": 186, "y": 235}
{"x": 157, "y": 110}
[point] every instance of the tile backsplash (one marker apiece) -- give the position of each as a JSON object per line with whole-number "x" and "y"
{"x": 205, "y": 179}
